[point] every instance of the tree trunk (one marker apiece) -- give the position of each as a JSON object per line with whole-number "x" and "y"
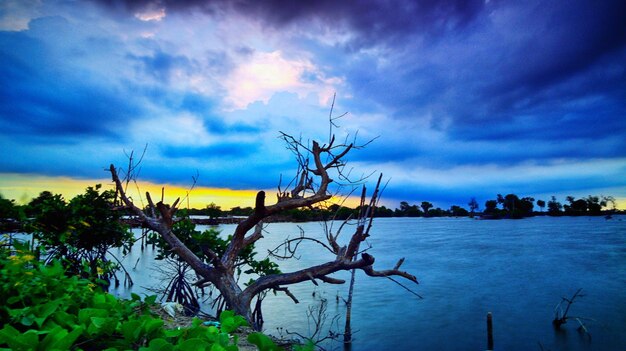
{"x": 347, "y": 334}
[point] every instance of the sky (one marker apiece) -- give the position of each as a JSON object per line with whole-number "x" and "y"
{"x": 463, "y": 98}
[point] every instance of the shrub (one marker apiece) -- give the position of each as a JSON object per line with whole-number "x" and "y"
{"x": 44, "y": 309}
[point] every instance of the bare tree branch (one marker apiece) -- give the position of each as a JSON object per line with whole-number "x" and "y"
{"x": 316, "y": 167}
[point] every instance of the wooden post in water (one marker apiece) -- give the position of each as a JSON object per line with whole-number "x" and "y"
{"x": 489, "y": 332}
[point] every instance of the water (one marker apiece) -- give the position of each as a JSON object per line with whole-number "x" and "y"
{"x": 516, "y": 269}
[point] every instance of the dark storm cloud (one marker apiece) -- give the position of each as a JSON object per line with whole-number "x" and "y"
{"x": 551, "y": 72}
{"x": 373, "y": 20}
{"x": 573, "y": 51}
{"x": 36, "y": 98}
{"x": 505, "y": 152}
{"x": 566, "y": 39}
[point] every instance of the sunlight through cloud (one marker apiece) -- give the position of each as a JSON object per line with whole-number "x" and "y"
{"x": 267, "y": 73}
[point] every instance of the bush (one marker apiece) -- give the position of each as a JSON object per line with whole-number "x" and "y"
{"x": 44, "y": 309}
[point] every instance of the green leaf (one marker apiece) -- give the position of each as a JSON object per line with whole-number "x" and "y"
{"x": 102, "y": 325}
{"x": 85, "y": 315}
{"x": 131, "y": 330}
{"x": 27, "y": 320}
{"x": 230, "y": 322}
{"x": 8, "y": 333}
{"x": 99, "y": 298}
{"x": 173, "y": 333}
{"x": 13, "y": 299}
{"x": 45, "y": 310}
{"x": 217, "y": 347}
{"x": 158, "y": 344}
{"x": 150, "y": 299}
{"x": 64, "y": 319}
{"x": 194, "y": 344}
{"x": 226, "y": 314}
{"x": 60, "y": 339}
{"x": 262, "y": 342}
{"x": 27, "y": 341}
{"x": 196, "y": 322}
{"x": 153, "y": 325}
{"x": 309, "y": 345}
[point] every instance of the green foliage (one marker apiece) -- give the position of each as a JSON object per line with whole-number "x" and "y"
{"x": 87, "y": 222}
{"x": 44, "y": 309}
{"x": 263, "y": 267}
{"x": 80, "y": 232}
{"x": 9, "y": 210}
{"x": 213, "y": 211}
{"x": 50, "y": 214}
{"x": 230, "y": 322}
{"x": 198, "y": 242}
{"x": 262, "y": 342}
{"x": 195, "y": 240}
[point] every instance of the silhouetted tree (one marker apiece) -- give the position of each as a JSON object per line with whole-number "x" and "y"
{"x": 526, "y": 205}
{"x": 213, "y": 211}
{"x": 500, "y": 200}
{"x": 541, "y": 204}
{"x": 510, "y": 203}
{"x": 594, "y": 206}
{"x": 458, "y": 211}
{"x": 8, "y": 209}
{"x": 426, "y": 206}
{"x": 407, "y": 210}
{"x": 576, "y": 207}
{"x": 606, "y": 200}
{"x": 490, "y": 206}
{"x": 473, "y": 205}
{"x": 238, "y": 211}
{"x": 554, "y": 207}
{"x": 317, "y": 165}
{"x": 383, "y": 211}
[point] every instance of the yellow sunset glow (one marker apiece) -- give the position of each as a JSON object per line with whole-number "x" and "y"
{"x": 24, "y": 187}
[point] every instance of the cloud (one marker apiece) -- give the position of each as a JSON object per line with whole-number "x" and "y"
{"x": 374, "y": 21}
{"x": 510, "y": 76}
{"x": 163, "y": 66}
{"x": 222, "y": 150}
{"x": 15, "y": 15}
{"x": 462, "y": 91}
{"x": 263, "y": 74}
{"x": 38, "y": 97}
{"x": 151, "y": 14}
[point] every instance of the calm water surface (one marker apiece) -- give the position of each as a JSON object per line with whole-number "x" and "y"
{"x": 516, "y": 269}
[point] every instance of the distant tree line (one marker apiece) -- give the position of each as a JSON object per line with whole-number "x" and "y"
{"x": 508, "y": 206}
{"x": 13, "y": 215}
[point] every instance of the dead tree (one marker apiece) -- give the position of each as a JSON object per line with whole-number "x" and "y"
{"x": 561, "y": 317}
{"x": 316, "y": 164}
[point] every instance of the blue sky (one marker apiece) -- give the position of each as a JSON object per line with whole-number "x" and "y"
{"x": 467, "y": 98}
